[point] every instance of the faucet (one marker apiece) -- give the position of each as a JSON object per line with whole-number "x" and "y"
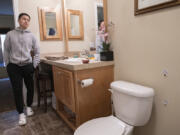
{"x": 85, "y": 53}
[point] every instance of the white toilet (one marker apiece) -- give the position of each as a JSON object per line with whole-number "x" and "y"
{"x": 132, "y": 107}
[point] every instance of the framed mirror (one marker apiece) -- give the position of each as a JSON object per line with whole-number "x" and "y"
{"x": 75, "y": 24}
{"x": 94, "y": 11}
{"x": 50, "y": 24}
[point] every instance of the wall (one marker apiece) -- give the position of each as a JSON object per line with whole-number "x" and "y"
{"x": 145, "y": 45}
{"x": 88, "y": 9}
{"x": 30, "y": 7}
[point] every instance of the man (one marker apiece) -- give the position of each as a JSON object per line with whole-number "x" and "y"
{"x": 18, "y": 45}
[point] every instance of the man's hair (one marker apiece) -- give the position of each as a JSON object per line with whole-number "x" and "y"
{"x": 21, "y": 14}
{"x": 99, "y": 23}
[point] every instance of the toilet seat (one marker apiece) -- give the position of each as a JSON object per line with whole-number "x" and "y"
{"x": 103, "y": 126}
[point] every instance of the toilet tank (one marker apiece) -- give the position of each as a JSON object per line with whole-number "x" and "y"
{"x": 132, "y": 102}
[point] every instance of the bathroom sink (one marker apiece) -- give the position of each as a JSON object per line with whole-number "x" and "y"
{"x": 55, "y": 58}
{"x": 78, "y": 60}
{"x": 74, "y": 59}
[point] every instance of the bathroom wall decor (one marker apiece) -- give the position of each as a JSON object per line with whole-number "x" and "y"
{"x": 50, "y": 23}
{"x": 144, "y": 6}
{"x": 75, "y": 24}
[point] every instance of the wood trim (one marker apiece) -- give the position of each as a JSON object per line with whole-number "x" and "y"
{"x": 65, "y": 27}
{"x": 42, "y": 19}
{"x": 58, "y": 24}
{"x": 154, "y": 8}
{"x": 44, "y": 23}
{"x": 64, "y": 117}
{"x": 64, "y": 86}
{"x": 40, "y": 24}
{"x": 75, "y": 75}
{"x": 81, "y": 28}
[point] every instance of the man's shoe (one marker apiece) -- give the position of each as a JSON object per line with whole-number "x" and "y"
{"x": 29, "y": 111}
{"x": 22, "y": 119}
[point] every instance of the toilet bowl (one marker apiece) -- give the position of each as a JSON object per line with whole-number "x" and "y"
{"x": 132, "y": 106}
{"x": 104, "y": 126}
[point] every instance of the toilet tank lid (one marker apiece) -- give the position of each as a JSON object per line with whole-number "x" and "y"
{"x": 132, "y": 89}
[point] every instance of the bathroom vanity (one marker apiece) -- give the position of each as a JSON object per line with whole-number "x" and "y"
{"x": 76, "y": 104}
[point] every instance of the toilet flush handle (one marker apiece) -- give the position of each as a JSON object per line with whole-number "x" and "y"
{"x": 110, "y": 90}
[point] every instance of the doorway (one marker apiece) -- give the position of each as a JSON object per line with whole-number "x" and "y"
{"x": 99, "y": 13}
{"x": 6, "y": 24}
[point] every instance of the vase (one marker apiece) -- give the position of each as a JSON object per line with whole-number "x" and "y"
{"x": 106, "y": 56}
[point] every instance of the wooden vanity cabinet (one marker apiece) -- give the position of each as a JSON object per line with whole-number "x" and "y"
{"x": 86, "y": 103}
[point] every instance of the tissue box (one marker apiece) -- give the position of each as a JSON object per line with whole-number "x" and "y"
{"x": 106, "y": 56}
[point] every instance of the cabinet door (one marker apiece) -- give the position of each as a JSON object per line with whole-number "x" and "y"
{"x": 95, "y": 100}
{"x": 56, "y": 84}
{"x": 64, "y": 87}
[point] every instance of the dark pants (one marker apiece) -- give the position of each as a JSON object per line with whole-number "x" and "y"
{"x": 17, "y": 74}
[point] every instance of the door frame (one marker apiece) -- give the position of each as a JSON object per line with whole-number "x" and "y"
{"x": 16, "y": 11}
{"x": 97, "y": 4}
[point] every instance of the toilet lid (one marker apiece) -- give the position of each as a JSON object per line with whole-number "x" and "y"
{"x": 102, "y": 126}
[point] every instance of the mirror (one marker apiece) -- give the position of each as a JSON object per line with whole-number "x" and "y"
{"x": 75, "y": 24}
{"x": 75, "y": 29}
{"x": 94, "y": 11}
{"x": 50, "y": 24}
{"x": 51, "y": 29}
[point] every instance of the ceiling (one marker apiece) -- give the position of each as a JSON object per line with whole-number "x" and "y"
{"x": 6, "y": 7}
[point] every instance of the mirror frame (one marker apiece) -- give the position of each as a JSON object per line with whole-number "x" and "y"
{"x": 42, "y": 23}
{"x": 105, "y": 13}
{"x": 81, "y": 27}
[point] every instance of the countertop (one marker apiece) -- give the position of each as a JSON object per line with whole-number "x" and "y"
{"x": 70, "y": 65}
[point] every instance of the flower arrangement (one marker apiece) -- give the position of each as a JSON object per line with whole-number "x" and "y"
{"x": 104, "y": 37}
{"x": 104, "y": 44}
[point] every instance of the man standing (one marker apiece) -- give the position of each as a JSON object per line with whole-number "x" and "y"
{"x": 18, "y": 45}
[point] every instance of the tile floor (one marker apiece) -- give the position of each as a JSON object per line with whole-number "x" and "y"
{"x": 6, "y": 96}
{"x": 40, "y": 124}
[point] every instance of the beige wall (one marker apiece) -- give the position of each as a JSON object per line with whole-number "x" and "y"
{"x": 145, "y": 45}
{"x": 88, "y": 9}
{"x": 101, "y": 1}
{"x": 30, "y": 7}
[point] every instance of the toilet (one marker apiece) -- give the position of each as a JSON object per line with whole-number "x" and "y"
{"x": 132, "y": 105}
